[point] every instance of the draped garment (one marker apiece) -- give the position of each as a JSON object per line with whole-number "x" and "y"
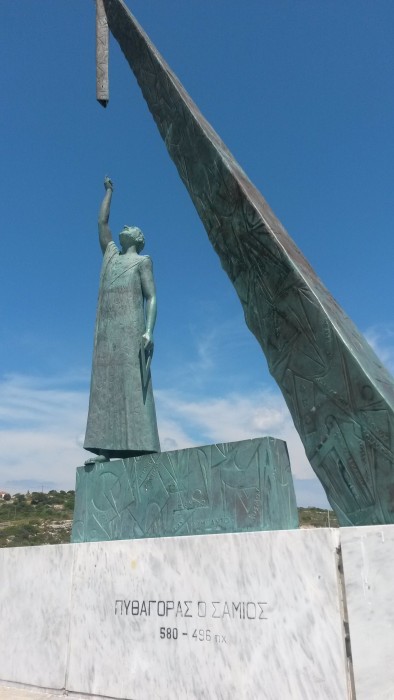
{"x": 122, "y": 416}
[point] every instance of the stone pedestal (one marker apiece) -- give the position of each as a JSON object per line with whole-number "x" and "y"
{"x": 232, "y": 487}
{"x": 368, "y": 562}
{"x": 219, "y": 617}
{"x": 251, "y": 615}
{"x": 35, "y": 606}
{"x": 246, "y": 616}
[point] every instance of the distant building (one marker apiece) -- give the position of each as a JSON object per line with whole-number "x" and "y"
{"x": 4, "y": 496}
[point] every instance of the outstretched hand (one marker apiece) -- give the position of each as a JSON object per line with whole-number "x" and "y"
{"x": 108, "y": 184}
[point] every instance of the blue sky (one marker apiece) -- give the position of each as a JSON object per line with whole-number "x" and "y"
{"x": 301, "y": 92}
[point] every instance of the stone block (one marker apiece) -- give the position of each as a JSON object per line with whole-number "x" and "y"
{"x": 250, "y": 615}
{"x": 35, "y": 589}
{"x": 231, "y": 487}
{"x": 368, "y": 561}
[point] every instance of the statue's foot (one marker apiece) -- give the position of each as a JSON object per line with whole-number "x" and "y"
{"x": 97, "y": 458}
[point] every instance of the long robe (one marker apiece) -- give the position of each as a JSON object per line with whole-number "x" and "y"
{"x": 122, "y": 417}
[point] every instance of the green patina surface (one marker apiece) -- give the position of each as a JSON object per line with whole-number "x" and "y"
{"x": 122, "y": 417}
{"x": 340, "y": 397}
{"x": 232, "y": 487}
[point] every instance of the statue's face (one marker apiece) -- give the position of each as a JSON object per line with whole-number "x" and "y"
{"x": 131, "y": 235}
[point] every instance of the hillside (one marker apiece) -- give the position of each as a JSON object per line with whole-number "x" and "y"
{"x": 36, "y": 518}
{"x": 46, "y": 518}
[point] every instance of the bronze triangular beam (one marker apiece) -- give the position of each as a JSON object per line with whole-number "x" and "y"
{"x": 102, "y": 55}
{"x": 340, "y": 396}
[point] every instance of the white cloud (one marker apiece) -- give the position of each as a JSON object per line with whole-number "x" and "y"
{"x": 381, "y": 339}
{"x": 173, "y": 435}
{"x": 42, "y": 421}
{"x": 216, "y": 354}
{"x": 205, "y": 348}
{"x": 234, "y": 417}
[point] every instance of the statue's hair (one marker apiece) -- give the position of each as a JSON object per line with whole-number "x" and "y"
{"x": 136, "y": 234}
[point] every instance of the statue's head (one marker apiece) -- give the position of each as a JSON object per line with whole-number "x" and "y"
{"x": 131, "y": 235}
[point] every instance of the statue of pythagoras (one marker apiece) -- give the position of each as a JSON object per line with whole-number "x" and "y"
{"x": 122, "y": 417}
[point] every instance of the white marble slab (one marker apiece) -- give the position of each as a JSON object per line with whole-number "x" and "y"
{"x": 368, "y": 560}
{"x": 35, "y": 587}
{"x": 252, "y": 615}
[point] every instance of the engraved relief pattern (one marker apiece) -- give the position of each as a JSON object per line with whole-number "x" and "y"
{"x": 231, "y": 487}
{"x": 102, "y": 44}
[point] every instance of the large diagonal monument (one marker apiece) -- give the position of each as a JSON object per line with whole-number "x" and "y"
{"x": 340, "y": 396}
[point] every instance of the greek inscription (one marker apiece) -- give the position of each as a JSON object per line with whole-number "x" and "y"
{"x": 215, "y": 609}
{"x": 214, "y": 604}
{"x": 252, "y": 515}
{"x": 201, "y": 609}
{"x": 161, "y": 608}
{"x": 212, "y": 523}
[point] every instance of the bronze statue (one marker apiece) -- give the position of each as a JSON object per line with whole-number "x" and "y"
{"x": 122, "y": 417}
{"x": 340, "y": 396}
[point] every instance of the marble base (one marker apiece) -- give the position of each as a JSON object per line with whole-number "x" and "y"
{"x": 219, "y": 617}
{"x": 368, "y": 561}
{"x": 257, "y": 615}
{"x": 232, "y": 487}
{"x": 227, "y": 616}
{"x": 35, "y": 590}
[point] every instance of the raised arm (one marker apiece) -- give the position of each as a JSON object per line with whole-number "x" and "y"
{"x": 149, "y": 292}
{"x": 105, "y": 235}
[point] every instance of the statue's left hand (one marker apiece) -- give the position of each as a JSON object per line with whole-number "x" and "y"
{"x": 148, "y": 341}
